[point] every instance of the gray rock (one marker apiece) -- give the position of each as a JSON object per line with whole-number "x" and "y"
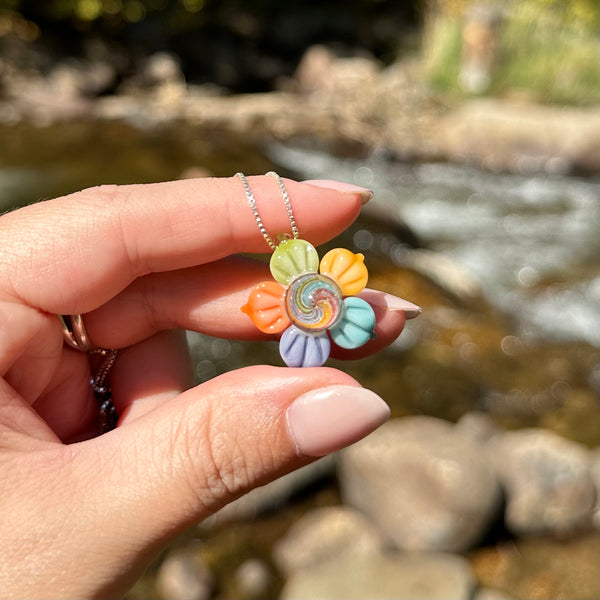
{"x": 477, "y": 426}
{"x": 401, "y": 577}
{"x": 546, "y": 479}
{"x": 423, "y": 484}
{"x": 183, "y": 576}
{"x": 595, "y": 473}
{"x": 324, "y": 534}
{"x": 253, "y": 578}
{"x": 486, "y": 593}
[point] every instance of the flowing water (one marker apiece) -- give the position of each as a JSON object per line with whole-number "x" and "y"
{"x": 531, "y": 242}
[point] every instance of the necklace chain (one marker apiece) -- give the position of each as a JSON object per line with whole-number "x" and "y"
{"x": 259, "y": 222}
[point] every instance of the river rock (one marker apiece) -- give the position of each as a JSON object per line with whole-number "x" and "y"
{"x": 546, "y": 479}
{"x": 513, "y": 136}
{"x": 477, "y": 426}
{"x": 595, "y": 472}
{"x": 418, "y": 576}
{"x": 183, "y": 576}
{"x": 253, "y": 578}
{"x": 423, "y": 484}
{"x": 486, "y": 593}
{"x": 324, "y": 534}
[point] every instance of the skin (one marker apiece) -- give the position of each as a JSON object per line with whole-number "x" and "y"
{"x": 82, "y": 515}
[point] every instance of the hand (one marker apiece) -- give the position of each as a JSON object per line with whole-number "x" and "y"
{"x": 144, "y": 262}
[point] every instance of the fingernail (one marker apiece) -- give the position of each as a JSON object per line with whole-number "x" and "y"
{"x": 340, "y": 186}
{"x": 391, "y": 302}
{"x": 330, "y": 418}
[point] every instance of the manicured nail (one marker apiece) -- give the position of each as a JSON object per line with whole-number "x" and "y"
{"x": 340, "y": 186}
{"x": 330, "y": 418}
{"x": 390, "y": 302}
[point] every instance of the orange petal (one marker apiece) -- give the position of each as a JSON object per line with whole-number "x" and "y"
{"x": 266, "y": 307}
{"x": 346, "y": 269}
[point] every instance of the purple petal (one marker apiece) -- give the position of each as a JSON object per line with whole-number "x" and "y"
{"x": 300, "y": 349}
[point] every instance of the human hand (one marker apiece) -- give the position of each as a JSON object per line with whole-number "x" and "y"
{"x": 143, "y": 262}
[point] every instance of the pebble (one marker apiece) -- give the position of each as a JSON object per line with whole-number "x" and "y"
{"x": 546, "y": 479}
{"x": 595, "y": 473}
{"x": 324, "y": 534}
{"x": 253, "y": 578}
{"x": 477, "y": 426}
{"x": 411, "y": 576}
{"x": 424, "y": 485}
{"x": 486, "y": 593}
{"x": 183, "y": 576}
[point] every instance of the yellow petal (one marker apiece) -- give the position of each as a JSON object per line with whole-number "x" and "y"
{"x": 346, "y": 269}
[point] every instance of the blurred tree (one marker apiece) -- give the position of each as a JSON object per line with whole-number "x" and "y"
{"x": 253, "y": 41}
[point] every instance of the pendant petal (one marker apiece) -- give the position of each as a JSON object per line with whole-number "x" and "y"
{"x": 356, "y": 326}
{"x": 292, "y": 258}
{"x": 346, "y": 269}
{"x": 299, "y": 349}
{"x": 266, "y": 307}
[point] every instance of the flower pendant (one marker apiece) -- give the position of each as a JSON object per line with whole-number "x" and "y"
{"x": 312, "y": 302}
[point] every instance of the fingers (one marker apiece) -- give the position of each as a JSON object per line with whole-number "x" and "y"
{"x": 150, "y": 373}
{"x": 208, "y": 299}
{"x": 67, "y": 404}
{"x": 70, "y": 255}
{"x": 144, "y": 376}
{"x": 188, "y": 457}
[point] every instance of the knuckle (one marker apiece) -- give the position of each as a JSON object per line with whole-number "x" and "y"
{"x": 218, "y": 465}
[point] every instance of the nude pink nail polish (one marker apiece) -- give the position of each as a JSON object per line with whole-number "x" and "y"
{"x": 330, "y": 418}
{"x": 391, "y": 302}
{"x": 340, "y": 186}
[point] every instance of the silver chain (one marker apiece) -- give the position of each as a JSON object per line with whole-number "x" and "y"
{"x": 286, "y": 201}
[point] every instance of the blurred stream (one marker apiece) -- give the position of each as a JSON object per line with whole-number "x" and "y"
{"x": 530, "y": 242}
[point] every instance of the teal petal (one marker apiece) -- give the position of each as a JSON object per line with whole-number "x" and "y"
{"x": 292, "y": 258}
{"x": 357, "y": 325}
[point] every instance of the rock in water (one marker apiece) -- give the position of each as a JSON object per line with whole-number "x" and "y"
{"x": 423, "y": 484}
{"x": 325, "y": 534}
{"x": 547, "y": 481}
{"x": 402, "y": 577}
{"x": 182, "y": 576}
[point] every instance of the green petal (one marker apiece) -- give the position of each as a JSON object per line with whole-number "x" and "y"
{"x": 293, "y": 258}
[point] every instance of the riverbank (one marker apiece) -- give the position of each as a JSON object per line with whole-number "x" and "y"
{"x": 349, "y": 106}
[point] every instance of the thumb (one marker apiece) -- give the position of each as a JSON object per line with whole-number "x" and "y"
{"x": 182, "y": 461}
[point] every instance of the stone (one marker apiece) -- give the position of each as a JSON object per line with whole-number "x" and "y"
{"x": 324, "y": 534}
{"x": 424, "y": 485}
{"x": 513, "y": 136}
{"x": 418, "y": 576}
{"x": 541, "y": 567}
{"x": 253, "y": 578}
{"x": 546, "y": 479}
{"x": 486, "y": 593}
{"x": 183, "y": 576}
{"x": 595, "y": 473}
{"x": 477, "y": 426}
{"x": 321, "y": 71}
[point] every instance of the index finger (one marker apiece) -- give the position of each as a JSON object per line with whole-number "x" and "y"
{"x": 72, "y": 254}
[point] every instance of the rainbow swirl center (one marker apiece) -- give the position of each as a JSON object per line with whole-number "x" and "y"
{"x": 314, "y": 302}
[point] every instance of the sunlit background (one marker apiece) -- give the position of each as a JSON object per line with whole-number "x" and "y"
{"x": 477, "y": 126}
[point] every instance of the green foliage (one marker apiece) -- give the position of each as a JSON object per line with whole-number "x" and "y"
{"x": 548, "y": 49}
